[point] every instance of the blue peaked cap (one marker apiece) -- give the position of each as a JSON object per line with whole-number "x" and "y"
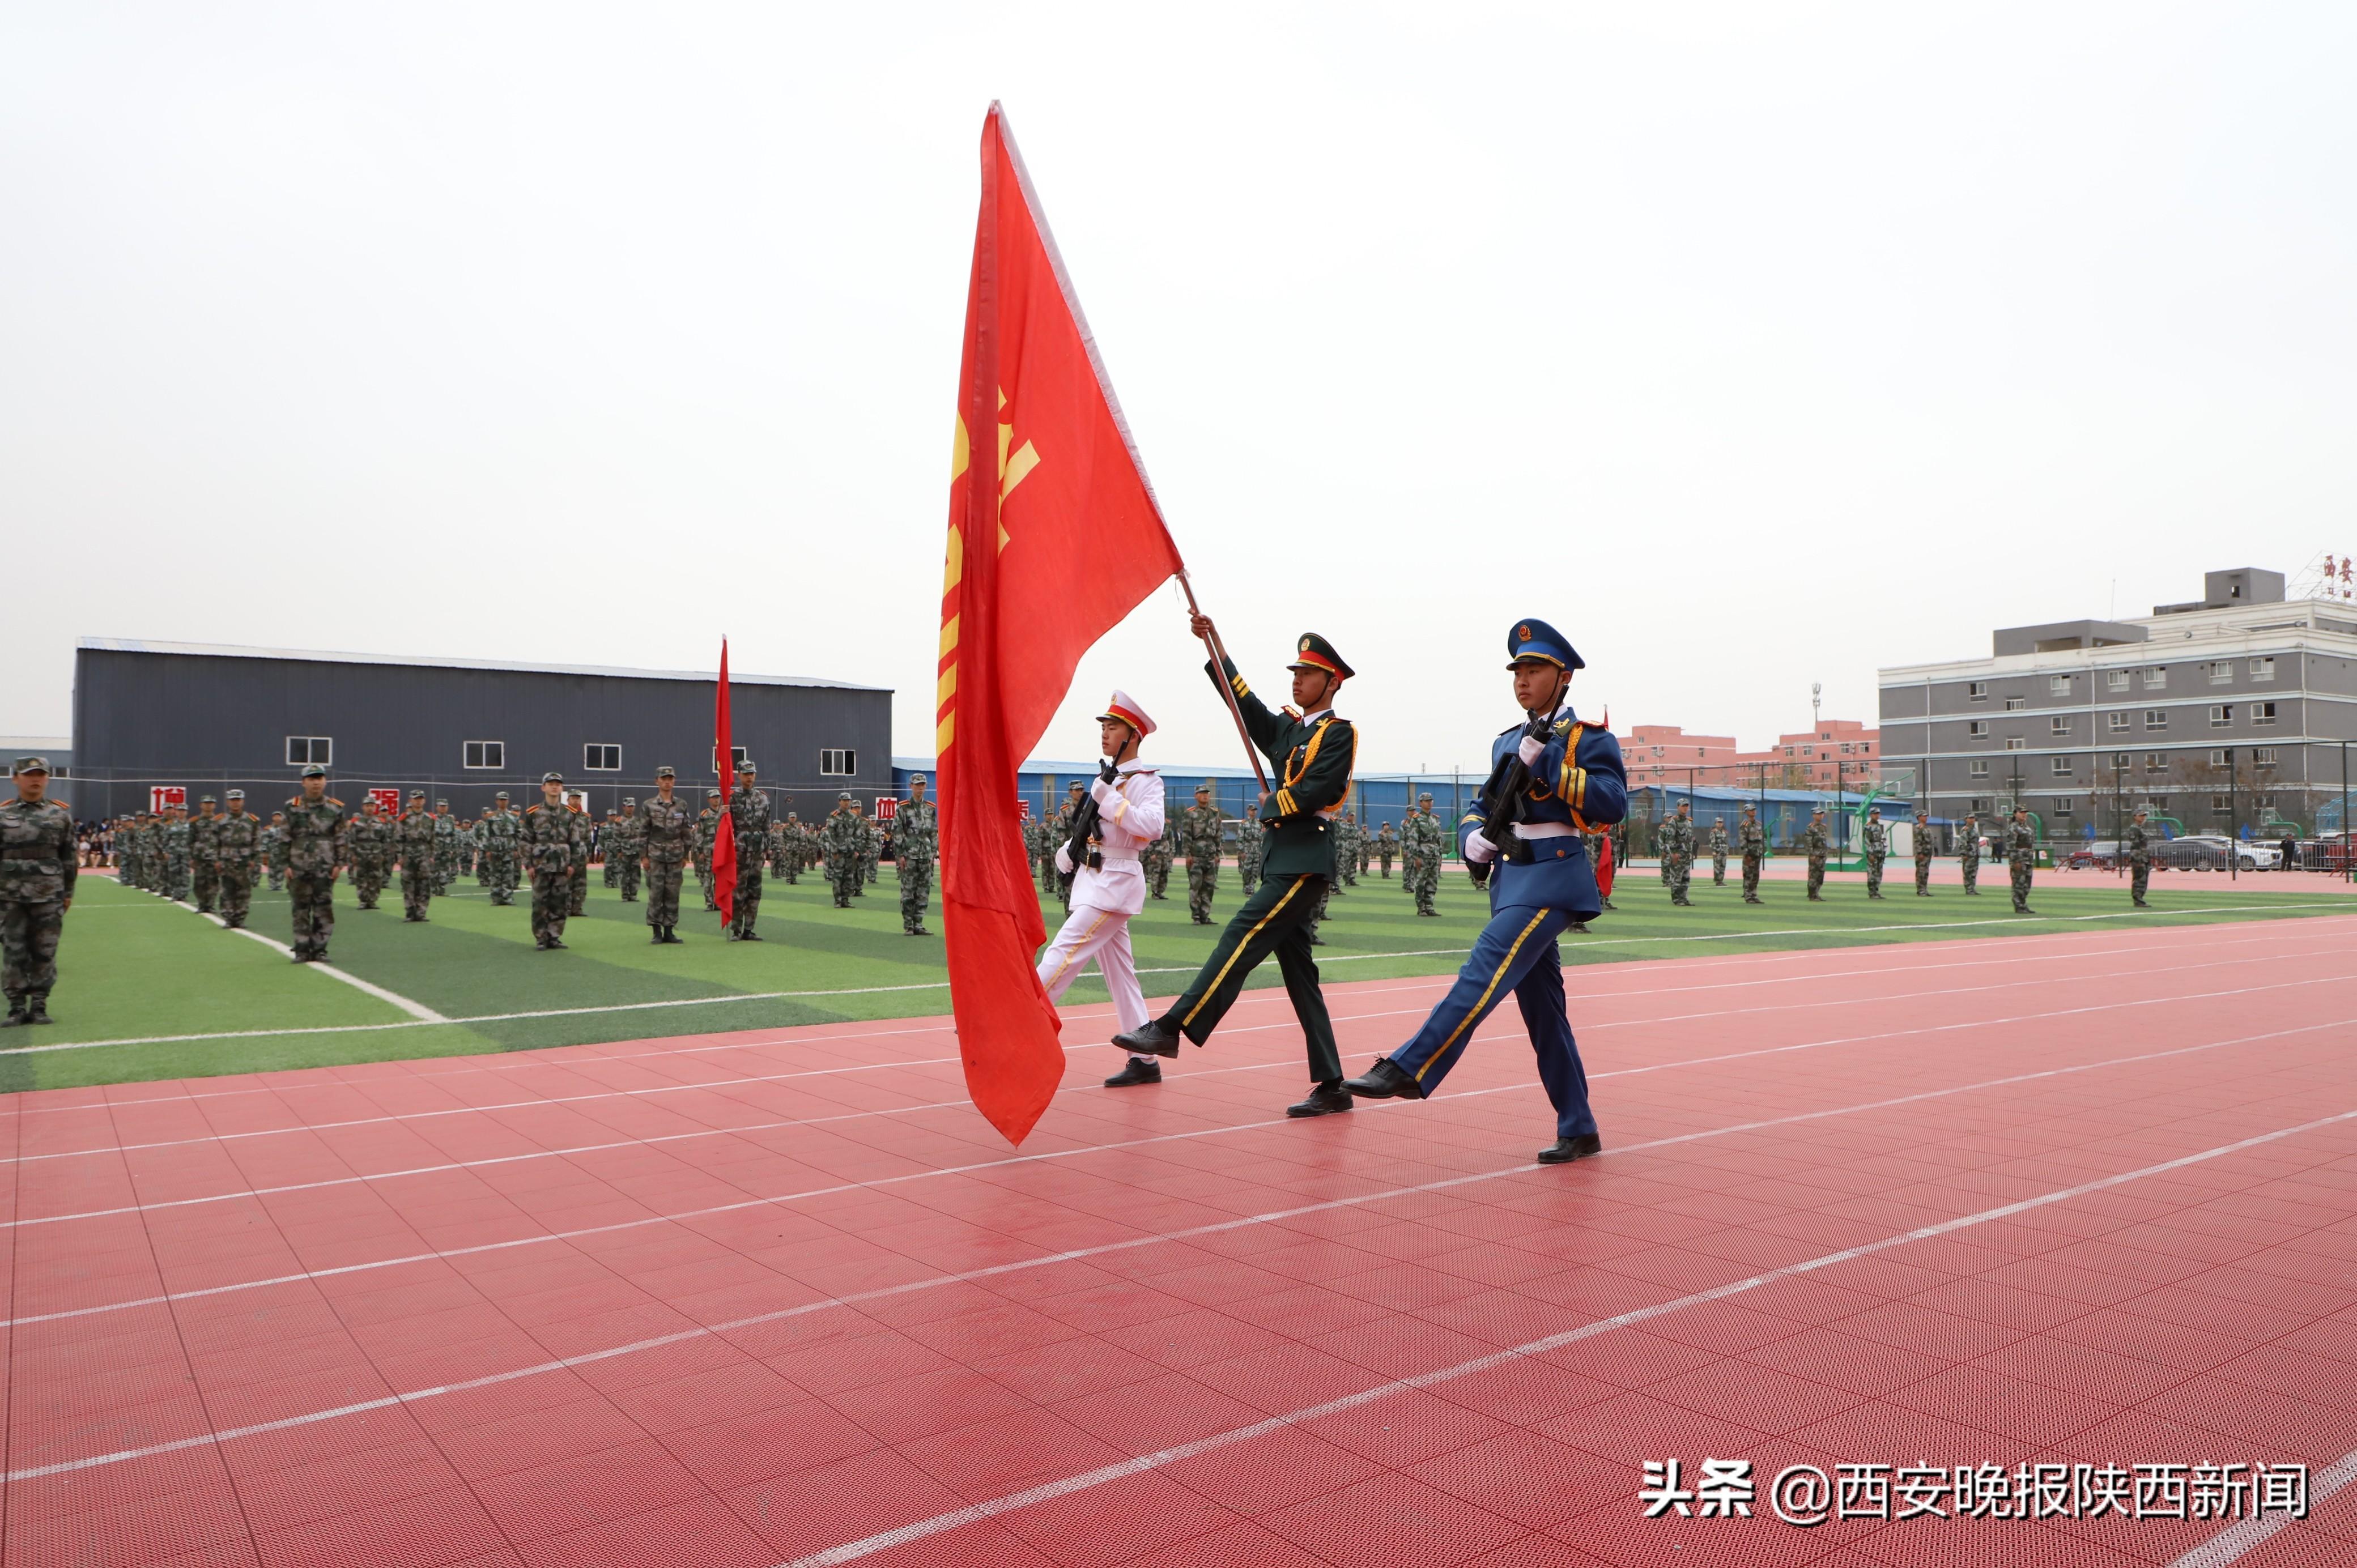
{"x": 1536, "y": 639}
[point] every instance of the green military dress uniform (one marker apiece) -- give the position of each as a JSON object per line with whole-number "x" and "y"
{"x": 1878, "y": 852}
{"x": 315, "y": 847}
{"x": 1751, "y": 838}
{"x": 916, "y": 843}
{"x": 37, "y": 868}
{"x": 237, "y": 847}
{"x": 1313, "y": 759}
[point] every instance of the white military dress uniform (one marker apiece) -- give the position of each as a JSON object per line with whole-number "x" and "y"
{"x": 1130, "y": 817}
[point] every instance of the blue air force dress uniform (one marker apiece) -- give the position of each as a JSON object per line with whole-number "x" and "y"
{"x": 1577, "y": 783}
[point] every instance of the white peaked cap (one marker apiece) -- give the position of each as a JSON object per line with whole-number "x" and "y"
{"x": 1125, "y": 708}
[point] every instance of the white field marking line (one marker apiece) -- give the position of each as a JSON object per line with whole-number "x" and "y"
{"x": 757, "y": 1040}
{"x": 2230, "y": 1544}
{"x": 1013, "y": 1502}
{"x": 424, "y": 1016}
{"x": 416, "y": 1009}
{"x": 1274, "y": 1218}
{"x": 514, "y": 1243}
{"x": 447, "y": 1166}
{"x": 902, "y": 1110}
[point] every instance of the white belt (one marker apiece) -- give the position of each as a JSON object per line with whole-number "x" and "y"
{"x": 1542, "y": 830}
{"x": 1112, "y": 863}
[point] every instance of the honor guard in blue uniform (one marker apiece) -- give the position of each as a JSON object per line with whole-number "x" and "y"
{"x": 1538, "y": 886}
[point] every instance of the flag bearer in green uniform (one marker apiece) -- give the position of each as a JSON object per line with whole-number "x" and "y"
{"x": 1312, "y": 752}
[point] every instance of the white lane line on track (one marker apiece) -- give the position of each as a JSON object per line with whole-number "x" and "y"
{"x": 1013, "y": 1502}
{"x": 1278, "y": 1217}
{"x": 2232, "y": 1543}
{"x": 418, "y": 1011}
{"x": 758, "y": 1040}
{"x": 516, "y": 1242}
{"x": 447, "y": 1166}
{"x": 750, "y": 1079}
{"x": 421, "y": 1015}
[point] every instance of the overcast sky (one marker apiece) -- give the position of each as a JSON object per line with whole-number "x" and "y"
{"x": 1753, "y": 346}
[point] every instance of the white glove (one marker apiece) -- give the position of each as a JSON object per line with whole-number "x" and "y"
{"x": 1479, "y": 850}
{"x": 1064, "y": 859}
{"x": 1531, "y": 750}
{"x": 1102, "y": 793}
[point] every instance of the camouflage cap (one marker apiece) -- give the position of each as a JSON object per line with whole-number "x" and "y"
{"x": 629, "y": 799}
{"x": 29, "y": 765}
{"x": 712, "y": 794}
{"x": 745, "y": 764}
{"x": 237, "y": 794}
{"x": 417, "y": 794}
{"x": 916, "y": 778}
{"x": 551, "y": 776}
{"x": 207, "y": 801}
{"x": 666, "y": 771}
{"x": 500, "y": 795}
{"x": 845, "y": 796}
{"x": 441, "y": 805}
{"x": 1426, "y": 796}
{"x": 315, "y": 772}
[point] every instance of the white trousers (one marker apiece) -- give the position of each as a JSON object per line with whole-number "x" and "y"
{"x": 1101, "y": 935}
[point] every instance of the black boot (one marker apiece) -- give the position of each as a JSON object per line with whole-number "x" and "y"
{"x": 655, "y": 936}
{"x": 1139, "y": 1069}
{"x": 37, "y": 1010}
{"x": 1567, "y": 1150}
{"x": 1324, "y": 1101}
{"x": 1385, "y": 1080}
{"x": 670, "y": 935}
{"x": 16, "y": 1013}
{"x": 1155, "y": 1039}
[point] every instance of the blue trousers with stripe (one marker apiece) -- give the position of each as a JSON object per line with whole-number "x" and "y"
{"x": 1515, "y": 953}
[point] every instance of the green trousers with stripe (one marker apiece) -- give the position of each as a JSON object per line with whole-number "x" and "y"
{"x": 1275, "y": 919}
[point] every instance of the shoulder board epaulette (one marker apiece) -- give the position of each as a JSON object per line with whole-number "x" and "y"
{"x": 332, "y": 800}
{"x": 1510, "y": 729}
{"x": 1562, "y": 727}
{"x": 530, "y": 810}
{"x": 1291, "y": 711}
{"x": 1143, "y": 769}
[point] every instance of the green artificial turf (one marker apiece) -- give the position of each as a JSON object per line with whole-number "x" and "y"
{"x": 133, "y": 967}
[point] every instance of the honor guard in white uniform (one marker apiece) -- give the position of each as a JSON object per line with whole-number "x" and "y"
{"x": 1109, "y": 877}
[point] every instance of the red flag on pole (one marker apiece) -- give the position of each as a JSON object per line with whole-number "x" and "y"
{"x": 1049, "y": 545}
{"x": 724, "y": 831}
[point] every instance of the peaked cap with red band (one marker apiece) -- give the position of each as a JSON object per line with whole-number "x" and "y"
{"x": 1125, "y": 708}
{"x": 1317, "y": 653}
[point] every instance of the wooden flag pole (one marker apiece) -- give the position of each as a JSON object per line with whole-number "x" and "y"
{"x": 1220, "y": 659}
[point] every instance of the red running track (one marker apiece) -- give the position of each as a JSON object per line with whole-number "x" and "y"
{"x": 780, "y": 1297}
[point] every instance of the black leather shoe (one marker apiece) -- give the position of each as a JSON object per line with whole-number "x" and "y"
{"x": 1137, "y": 1070}
{"x": 1567, "y": 1150}
{"x": 1157, "y": 1039}
{"x": 1324, "y": 1101}
{"x": 1385, "y": 1080}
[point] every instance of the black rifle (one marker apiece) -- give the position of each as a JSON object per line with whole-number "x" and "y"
{"x": 1085, "y": 822}
{"x": 1508, "y": 792}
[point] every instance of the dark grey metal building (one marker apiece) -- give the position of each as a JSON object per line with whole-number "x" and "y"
{"x": 204, "y": 718}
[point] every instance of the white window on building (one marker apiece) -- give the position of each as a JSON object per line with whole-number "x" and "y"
{"x": 1981, "y": 805}
{"x": 2155, "y": 678}
{"x": 484, "y": 754}
{"x": 2015, "y": 743}
{"x": 2014, "y": 704}
{"x": 2217, "y": 757}
{"x": 2058, "y": 724}
{"x": 2115, "y": 680}
{"x": 2222, "y": 803}
{"x": 2058, "y": 685}
{"x": 2157, "y": 802}
{"x": 2155, "y": 762}
{"x": 2262, "y": 756}
{"x": 1845, "y": 748}
{"x": 2221, "y": 714}
{"x": 2118, "y": 723}
{"x": 2156, "y": 718}
{"x": 2062, "y": 805}
{"x": 1977, "y": 730}
{"x": 2059, "y": 766}
{"x": 310, "y": 751}
{"x": 2121, "y": 762}
{"x": 601, "y": 756}
{"x": 2263, "y": 712}
{"x": 834, "y": 762}
{"x": 1977, "y": 691}
{"x": 2263, "y": 669}
{"x": 1980, "y": 767}
{"x": 2263, "y": 802}
{"x": 2221, "y": 672}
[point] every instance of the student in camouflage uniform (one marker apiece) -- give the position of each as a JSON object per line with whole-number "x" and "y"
{"x": 1421, "y": 835}
{"x": 273, "y": 845}
{"x": 845, "y": 839}
{"x": 204, "y": 855}
{"x": 315, "y": 849}
{"x": 2020, "y": 858}
{"x": 237, "y": 846}
{"x": 130, "y": 850}
{"x": 666, "y": 838}
{"x": 556, "y": 845}
{"x": 1156, "y": 858}
{"x": 1035, "y": 833}
{"x": 367, "y": 840}
{"x": 176, "y": 855}
{"x": 1200, "y": 828}
{"x": 871, "y": 861}
{"x": 37, "y": 870}
{"x": 1386, "y": 846}
{"x": 414, "y": 836}
{"x": 1345, "y": 852}
{"x": 1068, "y": 814}
{"x": 1814, "y": 845}
{"x": 1968, "y": 854}
{"x": 1252, "y": 843}
{"x": 2139, "y": 848}
{"x": 577, "y": 885}
{"x": 748, "y": 819}
{"x": 781, "y": 864}
{"x": 1877, "y": 850}
{"x": 1677, "y": 853}
{"x": 1924, "y": 843}
{"x": 916, "y": 842}
{"x": 445, "y": 847}
{"x": 503, "y": 850}
{"x": 1752, "y": 840}
{"x": 629, "y": 836}
{"x": 1719, "y": 852}
{"x": 603, "y": 848}
{"x": 707, "y": 826}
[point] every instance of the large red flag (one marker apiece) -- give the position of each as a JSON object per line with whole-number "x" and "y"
{"x": 724, "y": 831}
{"x": 1049, "y": 545}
